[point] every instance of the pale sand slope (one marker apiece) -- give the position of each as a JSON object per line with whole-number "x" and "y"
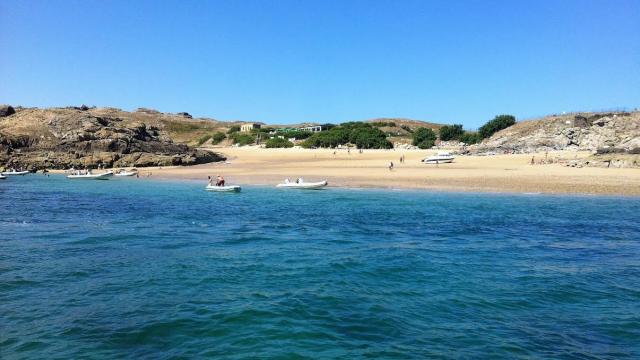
{"x": 501, "y": 173}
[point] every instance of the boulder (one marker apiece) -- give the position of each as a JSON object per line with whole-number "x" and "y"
{"x": 6, "y": 110}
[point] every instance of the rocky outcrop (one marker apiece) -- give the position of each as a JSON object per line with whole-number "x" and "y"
{"x": 86, "y": 137}
{"x": 6, "y": 110}
{"x": 585, "y": 131}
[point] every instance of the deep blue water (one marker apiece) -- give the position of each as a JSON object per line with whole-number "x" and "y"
{"x": 150, "y": 269}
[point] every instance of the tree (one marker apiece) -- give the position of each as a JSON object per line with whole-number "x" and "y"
{"x": 233, "y": 129}
{"x": 470, "y": 138}
{"x": 424, "y": 138}
{"x": 277, "y": 142}
{"x": 451, "y": 132}
{"x": 498, "y": 123}
{"x": 363, "y": 135}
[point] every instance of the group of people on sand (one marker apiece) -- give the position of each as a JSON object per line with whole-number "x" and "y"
{"x": 219, "y": 180}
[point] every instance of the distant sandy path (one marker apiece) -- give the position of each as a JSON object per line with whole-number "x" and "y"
{"x": 500, "y": 173}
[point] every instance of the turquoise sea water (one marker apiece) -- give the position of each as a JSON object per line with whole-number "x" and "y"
{"x": 152, "y": 269}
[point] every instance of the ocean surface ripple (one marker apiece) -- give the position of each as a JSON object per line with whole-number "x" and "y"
{"x": 158, "y": 269}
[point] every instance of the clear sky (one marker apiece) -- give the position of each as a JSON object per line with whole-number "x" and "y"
{"x": 282, "y": 61}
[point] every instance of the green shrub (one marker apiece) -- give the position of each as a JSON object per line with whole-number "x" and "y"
{"x": 233, "y": 129}
{"x": 203, "y": 139}
{"x": 277, "y": 142}
{"x": 424, "y": 138}
{"x": 451, "y": 132}
{"x": 297, "y": 134}
{"x": 218, "y": 137}
{"x": 470, "y": 138}
{"x": 242, "y": 139}
{"x": 498, "y": 123}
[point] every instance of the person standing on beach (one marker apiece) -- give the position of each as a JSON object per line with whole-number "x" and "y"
{"x": 390, "y": 165}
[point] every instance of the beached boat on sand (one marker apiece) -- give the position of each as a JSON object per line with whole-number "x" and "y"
{"x": 101, "y": 176}
{"x": 228, "y": 188}
{"x": 300, "y": 184}
{"x": 14, "y": 173}
{"x": 440, "y": 158}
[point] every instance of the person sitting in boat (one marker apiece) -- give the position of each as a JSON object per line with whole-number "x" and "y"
{"x": 210, "y": 181}
{"x": 286, "y": 181}
{"x": 220, "y": 181}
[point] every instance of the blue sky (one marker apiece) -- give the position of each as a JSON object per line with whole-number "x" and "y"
{"x": 325, "y": 61}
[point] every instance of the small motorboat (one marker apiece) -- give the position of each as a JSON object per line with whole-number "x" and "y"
{"x": 300, "y": 184}
{"x": 226, "y": 188}
{"x": 14, "y": 173}
{"x": 2, "y": 177}
{"x": 440, "y": 158}
{"x": 89, "y": 176}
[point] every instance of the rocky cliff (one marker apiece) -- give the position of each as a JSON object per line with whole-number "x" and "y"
{"x": 78, "y": 137}
{"x": 583, "y": 131}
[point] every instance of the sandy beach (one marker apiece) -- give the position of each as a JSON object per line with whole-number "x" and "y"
{"x": 498, "y": 173}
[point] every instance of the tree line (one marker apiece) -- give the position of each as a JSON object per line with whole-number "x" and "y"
{"x": 362, "y": 135}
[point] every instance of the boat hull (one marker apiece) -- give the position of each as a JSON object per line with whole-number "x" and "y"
{"x": 304, "y": 186}
{"x": 15, "y": 173}
{"x": 104, "y": 176}
{"x": 231, "y": 188}
{"x": 438, "y": 161}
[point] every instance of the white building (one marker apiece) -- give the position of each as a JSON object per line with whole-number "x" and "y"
{"x": 316, "y": 128}
{"x": 248, "y": 127}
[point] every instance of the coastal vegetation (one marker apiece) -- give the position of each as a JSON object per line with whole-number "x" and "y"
{"x": 296, "y": 134}
{"x": 242, "y": 139}
{"x": 424, "y": 138}
{"x": 498, "y": 123}
{"x": 362, "y": 135}
{"x": 277, "y": 142}
{"x": 451, "y": 132}
{"x": 216, "y": 138}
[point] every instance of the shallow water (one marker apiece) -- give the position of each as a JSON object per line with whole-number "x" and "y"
{"x": 133, "y": 268}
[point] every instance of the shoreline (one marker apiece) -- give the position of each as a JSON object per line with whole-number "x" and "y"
{"x": 369, "y": 170}
{"x": 510, "y": 174}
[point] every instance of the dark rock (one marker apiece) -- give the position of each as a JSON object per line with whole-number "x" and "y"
{"x": 6, "y": 110}
{"x": 186, "y": 115}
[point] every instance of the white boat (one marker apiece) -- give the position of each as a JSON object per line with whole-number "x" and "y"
{"x": 9, "y": 173}
{"x": 300, "y": 184}
{"x": 228, "y": 188}
{"x": 2, "y": 177}
{"x": 102, "y": 176}
{"x": 126, "y": 173}
{"x": 440, "y": 158}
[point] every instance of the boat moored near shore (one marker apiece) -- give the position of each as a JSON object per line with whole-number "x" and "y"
{"x": 14, "y": 173}
{"x": 90, "y": 176}
{"x": 227, "y": 188}
{"x": 301, "y": 184}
